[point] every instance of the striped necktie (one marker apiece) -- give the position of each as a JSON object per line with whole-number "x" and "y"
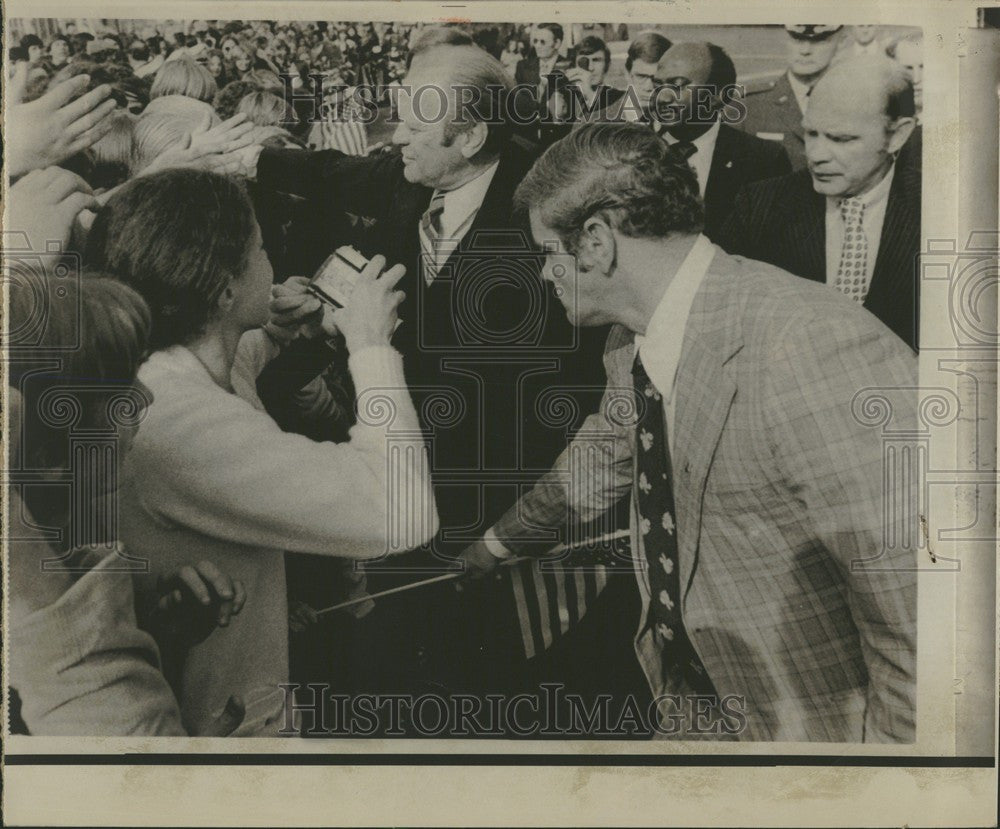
{"x": 430, "y": 224}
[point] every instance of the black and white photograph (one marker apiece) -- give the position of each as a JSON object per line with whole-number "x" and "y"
{"x": 432, "y": 384}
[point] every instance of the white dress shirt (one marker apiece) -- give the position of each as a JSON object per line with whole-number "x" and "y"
{"x": 875, "y": 201}
{"x": 461, "y": 206}
{"x": 701, "y": 161}
{"x": 660, "y": 347}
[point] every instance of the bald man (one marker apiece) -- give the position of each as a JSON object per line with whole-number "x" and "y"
{"x": 852, "y": 218}
{"x": 695, "y": 78}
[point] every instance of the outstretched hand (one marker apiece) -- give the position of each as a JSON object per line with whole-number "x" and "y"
{"x": 55, "y": 126}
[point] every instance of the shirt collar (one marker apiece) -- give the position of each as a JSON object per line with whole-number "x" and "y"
{"x": 704, "y": 143}
{"x": 875, "y": 196}
{"x": 799, "y": 90}
{"x": 465, "y": 200}
{"x": 661, "y": 345}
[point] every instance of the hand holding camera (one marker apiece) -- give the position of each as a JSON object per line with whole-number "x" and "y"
{"x": 348, "y": 293}
{"x": 371, "y": 316}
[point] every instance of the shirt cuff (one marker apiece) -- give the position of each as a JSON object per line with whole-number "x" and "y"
{"x": 494, "y": 545}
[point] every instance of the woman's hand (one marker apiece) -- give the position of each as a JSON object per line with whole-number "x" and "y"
{"x": 44, "y": 204}
{"x": 296, "y": 311}
{"x": 371, "y": 315}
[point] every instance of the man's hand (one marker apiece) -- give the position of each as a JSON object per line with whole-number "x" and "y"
{"x": 301, "y": 616}
{"x": 581, "y": 78}
{"x": 479, "y": 561}
{"x": 194, "y": 600}
{"x": 45, "y": 204}
{"x": 296, "y": 311}
{"x": 54, "y": 127}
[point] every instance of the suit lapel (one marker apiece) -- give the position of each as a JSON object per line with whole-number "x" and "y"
{"x": 805, "y": 230}
{"x": 900, "y": 238}
{"x": 723, "y": 174}
{"x": 705, "y": 389}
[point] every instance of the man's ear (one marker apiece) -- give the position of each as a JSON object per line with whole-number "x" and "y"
{"x": 597, "y": 245}
{"x": 901, "y": 131}
{"x": 475, "y": 138}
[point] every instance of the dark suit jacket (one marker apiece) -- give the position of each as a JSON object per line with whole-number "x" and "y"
{"x": 775, "y": 111}
{"x": 483, "y": 345}
{"x": 783, "y": 221}
{"x": 738, "y": 160}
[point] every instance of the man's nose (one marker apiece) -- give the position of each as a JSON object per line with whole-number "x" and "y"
{"x": 817, "y": 149}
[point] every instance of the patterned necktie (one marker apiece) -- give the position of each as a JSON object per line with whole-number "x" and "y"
{"x": 655, "y": 500}
{"x": 852, "y": 275}
{"x": 430, "y": 223}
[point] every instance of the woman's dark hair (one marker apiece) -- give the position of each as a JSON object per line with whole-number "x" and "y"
{"x": 178, "y": 237}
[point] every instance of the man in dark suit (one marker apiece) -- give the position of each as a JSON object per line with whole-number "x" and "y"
{"x": 776, "y": 113}
{"x": 697, "y": 79}
{"x": 586, "y": 90}
{"x": 483, "y": 337}
{"x": 852, "y": 220}
{"x": 644, "y": 52}
{"x": 541, "y": 73}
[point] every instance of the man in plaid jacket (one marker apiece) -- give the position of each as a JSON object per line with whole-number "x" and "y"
{"x": 775, "y": 581}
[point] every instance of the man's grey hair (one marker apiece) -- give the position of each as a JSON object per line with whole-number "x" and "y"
{"x": 623, "y": 172}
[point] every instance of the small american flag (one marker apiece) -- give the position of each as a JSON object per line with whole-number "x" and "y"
{"x": 553, "y": 593}
{"x": 342, "y": 129}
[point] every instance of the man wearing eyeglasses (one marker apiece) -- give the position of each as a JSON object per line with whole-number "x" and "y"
{"x": 644, "y": 52}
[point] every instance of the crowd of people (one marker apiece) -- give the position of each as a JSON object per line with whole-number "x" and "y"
{"x": 745, "y": 263}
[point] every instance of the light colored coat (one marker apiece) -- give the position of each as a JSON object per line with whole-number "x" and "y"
{"x": 789, "y": 594}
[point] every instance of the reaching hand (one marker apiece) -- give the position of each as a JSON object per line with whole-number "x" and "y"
{"x": 194, "y": 600}
{"x": 370, "y": 317}
{"x": 54, "y": 127}
{"x": 479, "y": 562}
{"x": 212, "y": 148}
{"x": 295, "y": 310}
{"x": 44, "y": 204}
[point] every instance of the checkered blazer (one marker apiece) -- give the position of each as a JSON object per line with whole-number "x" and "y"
{"x": 798, "y": 582}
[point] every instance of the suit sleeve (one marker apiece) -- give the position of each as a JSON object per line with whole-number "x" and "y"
{"x": 361, "y": 184}
{"x": 835, "y": 463}
{"x": 780, "y": 164}
{"x": 591, "y": 475}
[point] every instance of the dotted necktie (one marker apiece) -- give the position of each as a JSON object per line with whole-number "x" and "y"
{"x": 852, "y": 275}
{"x": 430, "y": 223}
{"x": 655, "y": 500}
